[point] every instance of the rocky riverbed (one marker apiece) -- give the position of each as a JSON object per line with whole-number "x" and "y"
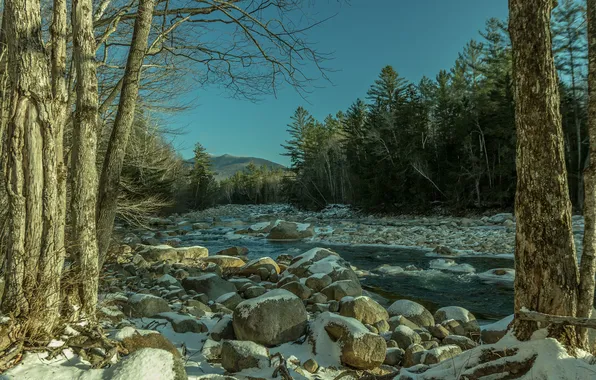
{"x": 260, "y": 298}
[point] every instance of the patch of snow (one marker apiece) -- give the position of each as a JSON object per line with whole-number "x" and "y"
{"x": 301, "y": 227}
{"x": 246, "y": 306}
{"x": 500, "y": 325}
{"x": 224, "y": 297}
{"x": 406, "y": 308}
{"x": 451, "y": 266}
{"x": 389, "y": 270}
{"x": 455, "y": 312}
{"x": 259, "y": 226}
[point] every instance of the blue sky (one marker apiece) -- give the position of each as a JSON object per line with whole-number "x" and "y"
{"x": 416, "y": 37}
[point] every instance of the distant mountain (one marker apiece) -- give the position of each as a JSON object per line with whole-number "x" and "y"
{"x": 227, "y": 165}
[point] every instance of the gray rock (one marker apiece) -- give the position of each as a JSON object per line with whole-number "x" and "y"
{"x": 210, "y": 284}
{"x": 364, "y": 309}
{"x": 405, "y": 337}
{"x": 183, "y": 323}
{"x": 318, "y": 281}
{"x": 239, "y": 355}
{"x": 254, "y": 292}
{"x": 466, "y": 319}
{"x": 145, "y": 305}
{"x": 229, "y": 300}
{"x": 439, "y": 354}
{"x": 223, "y": 329}
{"x": 462, "y": 342}
{"x": 412, "y": 311}
{"x": 274, "y": 318}
{"x": 394, "y": 356}
{"x": 290, "y": 231}
{"x": 340, "y": 289}
{"x": 297, "y": 288}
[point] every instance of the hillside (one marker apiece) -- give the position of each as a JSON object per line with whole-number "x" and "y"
{"x": 226, "y": 165}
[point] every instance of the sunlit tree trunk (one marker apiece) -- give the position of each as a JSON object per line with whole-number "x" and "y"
{"x": 83, "y": 172}
{"x": 31, "y": 173}
{"x": 587, "y": 264}
{"x": 546, "y": 270}
{"x": 114, "y": 158}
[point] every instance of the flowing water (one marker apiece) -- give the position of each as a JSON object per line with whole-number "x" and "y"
{"x": 432, "y": 288}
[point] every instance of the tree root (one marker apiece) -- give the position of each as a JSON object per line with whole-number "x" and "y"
{"x": 512, "y": 369}
{"x": 11, "y": 356}
{"x": 282, "y": 368}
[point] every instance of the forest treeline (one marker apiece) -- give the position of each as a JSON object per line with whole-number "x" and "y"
{"x": 447, "y": 141}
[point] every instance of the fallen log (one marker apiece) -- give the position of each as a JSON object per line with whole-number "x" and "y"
{"x": 535, "y": 316}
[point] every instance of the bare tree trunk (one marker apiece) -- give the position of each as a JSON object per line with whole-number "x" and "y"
{"x": 587, "y": 264}
{"x": 112, "y": 165}
{"x": 84, "y": 152}
{"x": 546, "y": 270}
{"x": 31, "y": 172}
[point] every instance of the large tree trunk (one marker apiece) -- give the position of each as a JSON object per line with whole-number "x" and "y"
{"x": 546, "y": 270}
{"x": 84, "y": 152}
{"x": 31, "y": 174}
{"x": 587, "y": 265}
{"x": 112, "y": 164}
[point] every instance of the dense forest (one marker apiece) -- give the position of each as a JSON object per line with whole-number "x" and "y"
{"x": 447, "y": 141}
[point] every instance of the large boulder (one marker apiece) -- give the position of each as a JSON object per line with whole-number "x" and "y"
{"x": 159, "y": 253}
{"x": 167, "y": 253}
{"x": 405, "y": 337}
{"x": 183, "y": 323}
{"x": 256, "y": 266}
{"x": 299, "y": 289}
{"x": 210, "y": 284}
{"x": 439, "y": 354}
{"x": 271, "y": 319}
{"x": 340, "y": 289}
{"x": 145, "y": 305}
{"x": 225, "y": 262}
{"x": 322, "y": 261}
{"x": 412, "y": 311}
{"x": 364, "y": 309}
{"x": 283, "y": 230}
{"x": 238, "y": 355}
{"x": 356, "y": 345}
{"x": 466, "y": 319}
{"x": 192, "y": 253}
{"x": 318, "y": 281}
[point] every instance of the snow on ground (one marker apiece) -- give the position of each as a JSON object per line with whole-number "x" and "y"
{"x": 500, "y": 325}
{"x": 552, "y": 361}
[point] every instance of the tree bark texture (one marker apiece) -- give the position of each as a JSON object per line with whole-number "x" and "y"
{"x": 83, "y": 157}
{"x": 546, "y": 270}
{"x": 114, "y": 158}
{"x": 587, "y": 264}
{"x": 31, "y": 174}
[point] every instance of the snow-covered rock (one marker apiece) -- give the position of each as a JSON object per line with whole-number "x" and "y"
{"x": 412, "y": 311}
{"x": 501, "y": 276}
{"x": 239, "y": 355}
{"x": 364, "y": 309}
{"x": 344, "y": 288}
{"x": 274, "y": 318}
{"x": 225, "y": 261}
{"x": 283, "y": 230}
{"x": 336, "y": 339}
{"x": 405, "y": 336}
{"x": 493, "y": 332}
{"x": 451, "y": 266}
{"x": 466, "y": 319}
